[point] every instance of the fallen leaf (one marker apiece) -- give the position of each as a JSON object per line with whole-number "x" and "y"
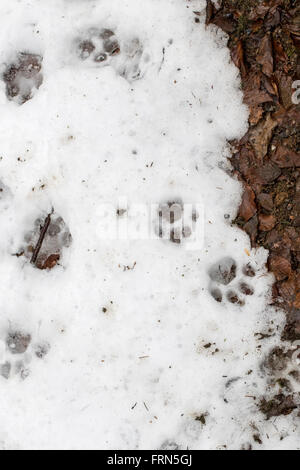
{"x": 265, "y": 55}
{"x": 210, "y": 9}
{"x": 266, "y": 222}
{"x": 251, "y": 227}
{"x": 286, "y": 158}
{"x": 248, "y": 207}
{"x": 273, "y": 18}
{"x": 281, "y": 267}
{"x": 237, "y": 55}
{"x": 224, "y": 21}
{"x": 284, "y": 84}
{"x": 260, "y": 136}
{"x": 266, "y": 201}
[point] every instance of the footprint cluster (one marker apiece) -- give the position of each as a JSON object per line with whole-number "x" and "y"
{"x": 98, "y": 46}
{"x": 23, "y": 76}
{"x": 224, "y": 285}
{"x": 175, "y": 223}
{"x": 43, "y": 245}
{"x": 19, "y": 350}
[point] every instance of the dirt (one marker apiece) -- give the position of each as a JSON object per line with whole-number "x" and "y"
{"x": 264, "y": 41}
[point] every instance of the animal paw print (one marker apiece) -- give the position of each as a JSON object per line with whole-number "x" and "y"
{"x": 173, "y": 223}
{"x": 222, "y": 274}
{"x": 102, "y": 47}
{"x": 23, "y": 76}
{"x": 45, "y": 243}
{"x": 18, "y": 354}
{"x": 98, "y": 46}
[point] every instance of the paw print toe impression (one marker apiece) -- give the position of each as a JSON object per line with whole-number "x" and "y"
{"x": 223, "y": 287}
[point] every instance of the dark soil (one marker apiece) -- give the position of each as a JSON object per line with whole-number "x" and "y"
{"x": 264, "y": 40}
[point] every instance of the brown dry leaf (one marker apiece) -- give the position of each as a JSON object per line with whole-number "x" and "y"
{"x": 266, "y": 201}
{"x": 265, "y": 55}
{"x": 243, "y": 161}
{"x": 270, "y": 85}
{"x": 285, "y": 86}
{"x": 248, "y": 207}
{"x": 294, "y": 25}
{"x": 237, "y": 55}
{"x": 279, "y": 244}
{"x": 50, "y": 262}
{"x": 281, "y": 267}
{"x": 280, "y": 198}
{"x": 266, "y": 222}
{"x": 260, "y": 136}
{"x": 280, "y": 55}
{"x": 251, "y": 227}
{"x": 256, "y": 113}
{"x": 297, "y": 301}
{"x": 254, "y": 97}
{"x": 296, "y": 244}
{"x": 287, "y": 290}
{"x": 210, "y": 10}
{"x": 259, "y": 12}
{"x": 286, "y": 158}
{"x": 273, "y": 18}
{"x": 224, "y": 21}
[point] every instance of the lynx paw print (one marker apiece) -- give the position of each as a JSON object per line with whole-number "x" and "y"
{"x": 18, "y": 352}
{"x": 174, "y": 222}
{"x": 45, "y": 243}
{"x": 101, "y": 47}
{"x": 23, "y": 76}
{"x": 98, "y": 46}
{"x": 224, "y": 285}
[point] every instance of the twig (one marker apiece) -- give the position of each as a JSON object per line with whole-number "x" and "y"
{"x": 163, "y": 59}
{"x": 39, "y": 244}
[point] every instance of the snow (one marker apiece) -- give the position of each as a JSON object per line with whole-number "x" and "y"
{"x": 123, "y": 323}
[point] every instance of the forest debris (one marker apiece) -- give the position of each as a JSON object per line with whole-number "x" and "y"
{"x": 280, "y": 266}
{"x": 266, "y": 222}
{"x": 260, "y": 137}
{"x": 286, "y": 158}
{"x": 265, "y": 55}
{"x": 248, "y": 206}
{"x": 41, "y": 239}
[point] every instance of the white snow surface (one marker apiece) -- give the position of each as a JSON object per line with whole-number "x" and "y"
{"x": 127, "y": 367}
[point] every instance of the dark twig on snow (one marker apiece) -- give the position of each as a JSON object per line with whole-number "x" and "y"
{"x": 39, "y": 244}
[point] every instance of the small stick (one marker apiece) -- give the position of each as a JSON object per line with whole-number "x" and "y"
{"x": 41, "y": 239}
